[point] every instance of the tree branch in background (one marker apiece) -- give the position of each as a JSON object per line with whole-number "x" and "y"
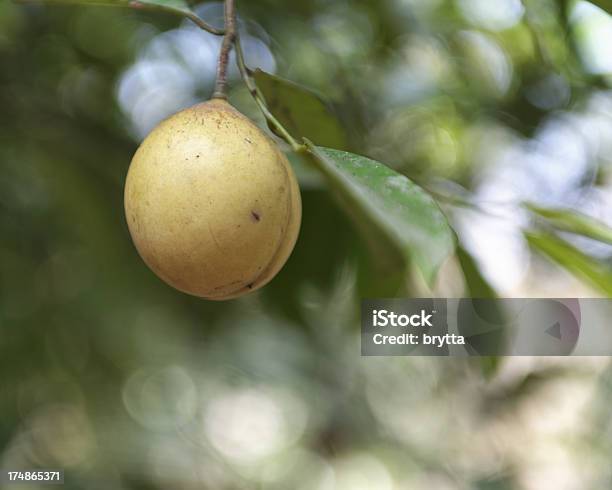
{"x": 176, "y": 8}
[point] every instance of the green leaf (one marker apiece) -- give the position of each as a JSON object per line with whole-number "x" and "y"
{"x": 572, "y": 259}
{"x": 301, "y": 111}
{"x": 477, "y": 285}
{"x": 402, "y": 211}
{"x": 574, "y": 222}
{"x": 489, "y": 365}
{"x": 605, "y": 5}
{"x": 180, "y": 7}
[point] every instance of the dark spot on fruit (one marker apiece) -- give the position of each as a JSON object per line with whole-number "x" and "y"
{"x": 255, "y": 216}
{"x": 216, "y": 288}
{"x": 250, "y": 286}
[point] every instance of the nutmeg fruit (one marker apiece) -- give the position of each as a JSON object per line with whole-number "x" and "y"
{"x": 212, "y": 204}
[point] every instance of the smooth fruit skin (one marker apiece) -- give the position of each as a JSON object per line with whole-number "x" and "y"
{"x": 211, "y": 203}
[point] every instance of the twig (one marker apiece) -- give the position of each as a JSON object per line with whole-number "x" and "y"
{"x": 228, "y": 41}
{"x": 232, "y": 39}
{"x": 259, "y": 99}
{"x": 140, "y": 5}
{"x": 203, "y": 24}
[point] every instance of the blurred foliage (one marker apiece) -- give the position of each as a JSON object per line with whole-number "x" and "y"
{"x": 573, "y": 222}
{"x": 573, "y": 260}
{"x": 127, "y": 384}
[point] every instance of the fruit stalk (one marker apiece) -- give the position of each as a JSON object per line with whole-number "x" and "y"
{"x": 232, "y": 39}
{"x": 226, "y": 47}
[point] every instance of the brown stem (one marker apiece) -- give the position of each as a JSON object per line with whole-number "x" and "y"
{"x": 232, "y": 39}
{"x": 203, "y": 25}
{"x": 226, "y": 47}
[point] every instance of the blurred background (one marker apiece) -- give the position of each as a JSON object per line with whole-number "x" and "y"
{"x": 127, "y": 384}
